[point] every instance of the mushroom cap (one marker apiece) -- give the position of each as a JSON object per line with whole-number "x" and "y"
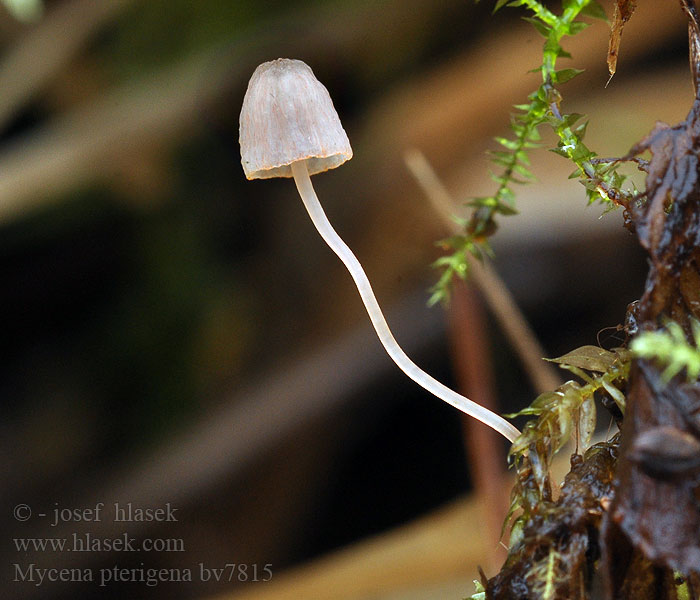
{"x": 288, "y": 116}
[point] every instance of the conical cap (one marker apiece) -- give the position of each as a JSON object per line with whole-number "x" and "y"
{"x": 288, "y": 116}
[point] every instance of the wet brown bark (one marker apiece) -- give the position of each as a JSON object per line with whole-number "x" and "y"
{"x": 560, "y": 541}
{"x": 627, "y": 523}
{"x": 653, "y": 526}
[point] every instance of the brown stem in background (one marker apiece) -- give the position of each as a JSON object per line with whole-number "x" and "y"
{"x": 499, "y": 299}
{"x": 474, "y": 373}
{"x": 470, "y": 355}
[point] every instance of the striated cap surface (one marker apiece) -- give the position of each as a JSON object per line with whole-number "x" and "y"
{"x": 288, "y": 116}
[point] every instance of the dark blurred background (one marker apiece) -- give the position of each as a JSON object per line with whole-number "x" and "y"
{"x": 176, "y": 334}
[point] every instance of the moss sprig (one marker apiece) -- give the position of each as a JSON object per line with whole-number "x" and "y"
{"x": 601, "y": 179}
{"x": 569, "y": 411}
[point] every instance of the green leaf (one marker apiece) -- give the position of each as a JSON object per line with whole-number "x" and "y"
{"x": 500, "y": 154}
{"x": 506, "y": 143}
{"x": 570, "y": 120}
{"x": 488, "y": 201}
{"x": 505, "y": 159}
{"x": 523, "y": 171}
{"x": 561, "y": 53}
{"x": 595, "y": 10}
{"x": 591, "y": 358}
{"x": 534, "y": 135}
{"x": 542, "y": 28}
{"x": 522, "y": 156}
{"x": 499, "y": 179}
{"x": 506, "y": 210}
{"x": 579, "y": 373}
{"x": 443, "y": 261}
{"x": 580, "y": 131}
{"x": 577, "y": 27}
{"x": 560, "y": 151}
{"x": 580, "y": 153}
{"x": 564, "y": 75}
{"x": 437, "y": 297}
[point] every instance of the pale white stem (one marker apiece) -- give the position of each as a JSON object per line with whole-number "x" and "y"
{"x": 313, "y": 206}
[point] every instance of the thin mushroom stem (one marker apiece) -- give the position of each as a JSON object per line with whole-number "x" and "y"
{"x": 318, "y": 216}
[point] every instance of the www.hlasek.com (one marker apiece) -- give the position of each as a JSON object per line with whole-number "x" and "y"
{"x": 86, "y": 542}
{"x": 151, "y": 577}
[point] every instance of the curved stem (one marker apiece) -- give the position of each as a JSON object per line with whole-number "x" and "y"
{"x": 313, "y": 206}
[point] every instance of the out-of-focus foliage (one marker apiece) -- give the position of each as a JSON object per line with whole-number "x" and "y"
{"x": 25, "y": 10}
{"x": 670, "y": 347}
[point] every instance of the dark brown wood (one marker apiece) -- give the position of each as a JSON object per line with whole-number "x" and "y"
{"x": 655, "y": 514}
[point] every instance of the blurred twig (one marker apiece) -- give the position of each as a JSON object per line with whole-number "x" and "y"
{"x": 75, "y": 147}
{"x": 496, "y": 294}
{"x": 47, "y": 47}
{"x": 473, "y": 366}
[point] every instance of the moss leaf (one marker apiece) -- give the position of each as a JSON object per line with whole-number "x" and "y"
{"x": 590, "y": 358}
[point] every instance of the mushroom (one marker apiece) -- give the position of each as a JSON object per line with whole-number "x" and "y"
{"x": 289, "y": 128}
